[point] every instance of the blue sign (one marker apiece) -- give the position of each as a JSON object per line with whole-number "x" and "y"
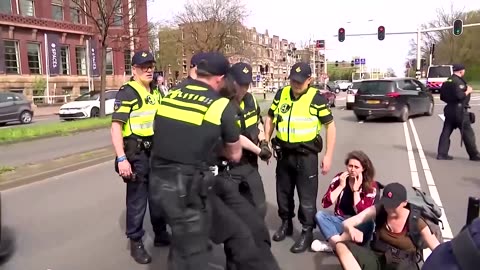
{"x": 362, "y": 61}
{"x": 357, "y": 61}
{"x": 258, "y": 78}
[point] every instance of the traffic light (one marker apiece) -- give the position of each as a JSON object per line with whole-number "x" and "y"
{"x": 381, "y": 33}
{"x": 336, "y": 63}
{"x": 341, "y": 34}
{"x": 352, "y": 63}
{"x": 457, "y": 27}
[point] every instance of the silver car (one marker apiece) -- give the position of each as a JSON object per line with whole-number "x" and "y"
{"x": 15, "y": 107}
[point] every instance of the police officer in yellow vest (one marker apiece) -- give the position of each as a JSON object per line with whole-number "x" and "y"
{"x": 298, "y": 113}
{"x": 135, "y": 108}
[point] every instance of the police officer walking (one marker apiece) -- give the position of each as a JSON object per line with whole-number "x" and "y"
{"x": 456, "y": 93}
{"x": 195, "y": 116}
{"x": 132, "y": 130}
{"x": 299, "y": 112}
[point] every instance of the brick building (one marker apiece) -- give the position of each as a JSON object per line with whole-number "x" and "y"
{"x": 24, "y": 25}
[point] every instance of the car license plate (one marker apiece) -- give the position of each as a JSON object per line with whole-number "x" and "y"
{"x": 373, "y": 101}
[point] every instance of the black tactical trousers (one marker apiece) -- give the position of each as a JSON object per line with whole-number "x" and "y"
{"x": 238, "y": 226}
{"x": 298, "y": 170}
{"x": 250, "y": 185}
{"x": 137, "y": 197}
{"x": 451, "y": 123}
{"x": 181, "y": 193}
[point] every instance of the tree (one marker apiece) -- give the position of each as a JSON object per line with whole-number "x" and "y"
{"x": 109, "y": 18}
{"x": 391, "y": 72}
{"x": 213, "y": 25}
{"x": 153, "y": 29}
{"x": 170, "y": 53}
{"x": 449, "y": 48}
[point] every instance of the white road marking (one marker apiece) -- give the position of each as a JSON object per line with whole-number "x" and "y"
{"x": 433, "y": 191}
{"x": 341, "y": 98}
{"x": 411, "y": 158}
{"x": 442, "y": 116}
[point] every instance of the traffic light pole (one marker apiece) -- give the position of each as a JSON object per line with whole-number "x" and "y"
{"x": 419, "y": 38}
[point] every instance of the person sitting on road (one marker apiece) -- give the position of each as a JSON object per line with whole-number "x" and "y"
{"x": 351, "y": 192}
{"x": 391, "y": 247}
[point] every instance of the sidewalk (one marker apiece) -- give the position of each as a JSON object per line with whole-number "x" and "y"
{"x": 46, "y": 110}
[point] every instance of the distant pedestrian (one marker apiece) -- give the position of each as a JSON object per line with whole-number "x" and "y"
{"x": 456, "y": 93}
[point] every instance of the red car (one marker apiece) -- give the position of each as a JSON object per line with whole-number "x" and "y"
{"x": 329, "y": 95}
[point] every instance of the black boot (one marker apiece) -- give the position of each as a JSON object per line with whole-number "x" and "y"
{"x": 304, "y": 242}
{"x": 138, "y": 252}
{"x": 162, "y": 239}
{"x": 286, "y": 229}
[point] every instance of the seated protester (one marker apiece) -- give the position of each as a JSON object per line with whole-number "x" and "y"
{"x": 351, "y": 192}
{"x": 391, "y": 247}
{"x": 462, "y": 253}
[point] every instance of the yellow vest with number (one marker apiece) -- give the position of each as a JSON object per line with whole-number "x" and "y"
{"x": 141, "y": 119}
{"x": 294, "y": 121}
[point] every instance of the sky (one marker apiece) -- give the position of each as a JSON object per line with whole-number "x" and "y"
{"x": 301, "y": 20}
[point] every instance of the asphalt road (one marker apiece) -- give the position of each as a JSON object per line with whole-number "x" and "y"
{"x": 76, "y": 221}
{"x": 37, "y": 120}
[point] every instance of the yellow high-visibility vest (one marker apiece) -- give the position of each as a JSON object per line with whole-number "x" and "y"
{"x": 296, "y": 121}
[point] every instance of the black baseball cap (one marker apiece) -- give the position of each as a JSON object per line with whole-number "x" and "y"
{"x": 214, "y": 63}
{"x": 458, "y": 67}
{"x": 300, "y": 72}
{"x": 241, "y": 73}
{"x": 196, "y": 58}
{"x": 142, "y": 57}
{"x": 393, "y": 195}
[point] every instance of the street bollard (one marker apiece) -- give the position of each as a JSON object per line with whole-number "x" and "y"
{"x": 473, "y": 209}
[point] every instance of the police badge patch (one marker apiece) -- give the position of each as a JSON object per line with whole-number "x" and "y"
{"x": 462, "y": 86}
{"x": 116, "y": 105}
{"x": 285, "y": 108}
{"x": 150, "y": 100}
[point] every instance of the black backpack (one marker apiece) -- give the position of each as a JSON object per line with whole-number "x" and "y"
{"x": 421, "y": 206}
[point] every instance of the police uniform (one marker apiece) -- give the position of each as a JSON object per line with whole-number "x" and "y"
{"x": 135, "y": 107}
{"x": 196, "y": 117}
{"x": 297, "y": 144}
{"x": 457, "y": 115}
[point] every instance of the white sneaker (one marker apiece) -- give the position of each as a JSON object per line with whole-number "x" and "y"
{"x": 318, "y": 245}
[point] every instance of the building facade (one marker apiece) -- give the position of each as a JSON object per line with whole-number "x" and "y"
{"x": 25, "y": 26}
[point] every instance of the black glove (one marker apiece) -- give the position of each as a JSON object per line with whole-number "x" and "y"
{"x": 265, "y": 153}
{"x": 264, "y": 143}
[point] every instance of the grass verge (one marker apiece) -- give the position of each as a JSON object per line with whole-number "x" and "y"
{"x": 30, "y": 132}
{"x": 5, "y": 169}
{"x": 475, "y": 86}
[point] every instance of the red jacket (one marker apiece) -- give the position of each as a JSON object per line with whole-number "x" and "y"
{"x": 367, "y": 199}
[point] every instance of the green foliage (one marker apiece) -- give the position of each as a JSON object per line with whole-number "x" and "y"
{"x": 342, "y": 72}
{"x": 170, "y": 49}
{"x": 39, "y": 85}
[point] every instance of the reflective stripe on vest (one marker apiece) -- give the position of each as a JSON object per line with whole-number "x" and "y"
{"x": 193, "y": 108}
{"x": 140, "y": 121}
{"x": 250, "y": 117}
{"x": 294, "y": 120}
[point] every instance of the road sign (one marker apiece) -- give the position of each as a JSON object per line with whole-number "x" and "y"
{"x": 258, "y": 78}
{"x": 357, "y": 61}
{"x": 362, "y": 61}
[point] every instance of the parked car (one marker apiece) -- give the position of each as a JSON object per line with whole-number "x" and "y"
{"x": 342, "y": 85}
{"x": 351, "y": 92}
{"x": 87, "y": 106}
{"x": 15, "y": 107}
{"x": 394, "y": 97}
{"x": 328, "y": 94}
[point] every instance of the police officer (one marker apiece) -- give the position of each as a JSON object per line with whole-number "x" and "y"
{"x": 192, "y": 71}
{"x": 456, "y": 93}
{"x": 246, "y": 171}
{"x": 196, "y": 116}
{"x": 132, "y": 130}
{"x": 299, "y": 112}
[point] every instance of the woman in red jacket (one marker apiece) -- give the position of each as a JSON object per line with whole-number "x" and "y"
{"x": 350, "y": 192}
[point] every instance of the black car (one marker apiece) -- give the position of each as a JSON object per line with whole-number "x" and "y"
{"x": 393, "y": 97}
{"x": 15, "y": 107}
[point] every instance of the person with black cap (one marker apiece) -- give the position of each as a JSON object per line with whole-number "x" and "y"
{"x": 135, "y": 108}
{"x": 392, "y": 246}
{"x": 181, "y": 175}
{"x": 298, "y": 112}
{"x": 456, "y": 93}
{"x": 192, "y": 71}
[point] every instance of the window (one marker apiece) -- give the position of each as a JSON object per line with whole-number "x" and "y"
{"x": 81, "y": 60}
{"x": 27, "y": 8}
{"x": 74, "y": 11}
{"x": 118, "y": 15}
{"x": 84, "y": 90}
{"x": 11, "y": 57}
{"x": 6, "y": 6}
{"x": 376, "y": 87}
{"x": 408, "y": 85}
{"x": 57, "y": 10}
{"x": 33, "y": 55}
{"x": 6, "y": 97}
{"x": 64, "y": 60}
{"x": 109, "y": 62}
{"x": 127, "y": 55}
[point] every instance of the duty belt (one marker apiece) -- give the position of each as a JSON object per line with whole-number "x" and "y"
{"x": 139, "y": 143}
